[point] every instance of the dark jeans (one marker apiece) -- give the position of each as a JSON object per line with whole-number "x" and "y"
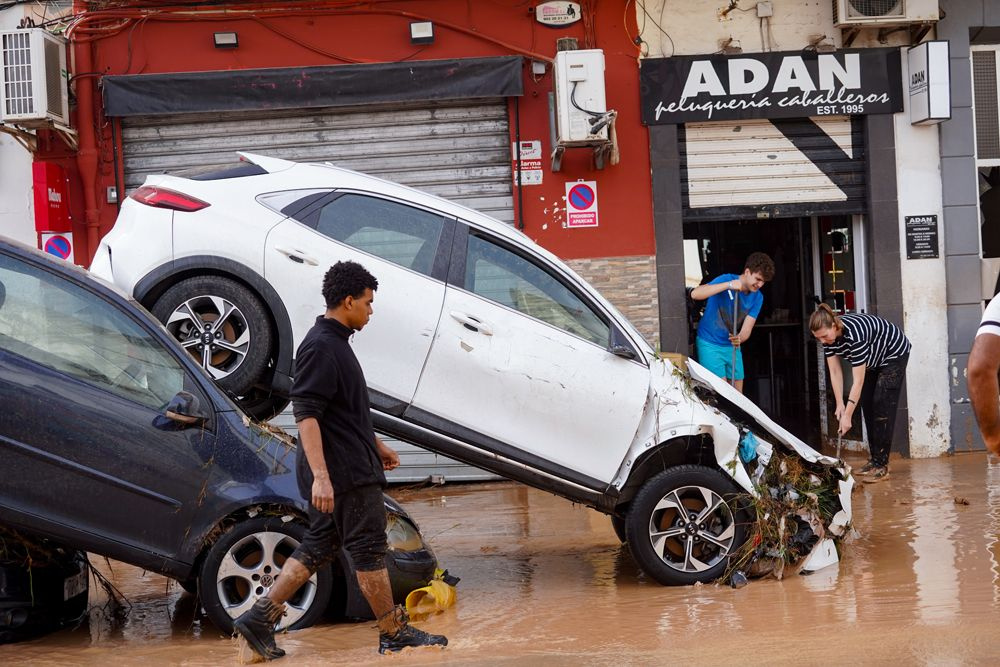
{"x": 357, "y": 523}
{"x": 879, "y": 400}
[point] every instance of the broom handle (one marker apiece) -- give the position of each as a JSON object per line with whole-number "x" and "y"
{"x": 736, "y": 302}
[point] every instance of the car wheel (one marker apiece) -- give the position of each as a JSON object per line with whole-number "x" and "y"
{"x": 241, "y": 568}
{"x": 682, "y": 527}
{"x": 224, "y": 327}
{"x": 263, "y": 406}
{"x": 618, "y": 523}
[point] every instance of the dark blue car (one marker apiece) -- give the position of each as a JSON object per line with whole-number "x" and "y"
{"x": 115, "y": 442}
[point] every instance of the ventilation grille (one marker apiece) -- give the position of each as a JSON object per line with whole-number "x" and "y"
{"x": 54, "y": 82}
{"x": 18, "y": 94}
{"x": 875, "y": 8}
{"x": 984, "y": 85}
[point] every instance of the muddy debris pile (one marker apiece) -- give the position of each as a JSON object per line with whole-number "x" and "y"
{"x": 796, "y": 522}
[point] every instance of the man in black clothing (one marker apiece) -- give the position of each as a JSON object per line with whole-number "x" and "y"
{"x": 340, "y": 469}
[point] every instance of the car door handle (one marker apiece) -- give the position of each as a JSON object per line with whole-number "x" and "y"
{"x": 472, "y": 323}
{"x": 297, "y": 256}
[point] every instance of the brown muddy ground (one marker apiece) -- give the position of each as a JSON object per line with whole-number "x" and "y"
{"x": 544, "y": 581}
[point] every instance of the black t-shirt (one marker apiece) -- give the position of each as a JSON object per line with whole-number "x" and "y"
{"x": 330, "y": 386}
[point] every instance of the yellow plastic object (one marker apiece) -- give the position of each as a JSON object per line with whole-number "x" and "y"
{"x": 430, "y": 599}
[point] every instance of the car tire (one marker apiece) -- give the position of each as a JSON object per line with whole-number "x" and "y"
{"x": 684, "y": 525}
{"x": 243, "y": 342}
{"x": 618, "y": 523}
{"x": 242, "y": 565}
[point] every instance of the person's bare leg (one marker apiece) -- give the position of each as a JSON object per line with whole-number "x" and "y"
{"x": 377, "y": 590}
{"x": 738, "y": 384}
{"x": 293, "y": 575}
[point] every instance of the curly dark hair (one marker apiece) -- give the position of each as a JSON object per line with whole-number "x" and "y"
{"x": 346, "y": 279}
{"x": 760, "y": 263}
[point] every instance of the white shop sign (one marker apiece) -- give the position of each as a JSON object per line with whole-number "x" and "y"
{"x": 929, "y": 83}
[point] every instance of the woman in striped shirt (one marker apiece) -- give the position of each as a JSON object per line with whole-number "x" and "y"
{"x": 878, "y": 352}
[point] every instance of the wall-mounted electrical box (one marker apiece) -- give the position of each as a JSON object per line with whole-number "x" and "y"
{"x": 580, "y": 100}
{"x": 33, "y": 89}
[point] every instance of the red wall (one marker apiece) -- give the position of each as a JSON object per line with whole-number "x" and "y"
{"x": 173, "y": 42}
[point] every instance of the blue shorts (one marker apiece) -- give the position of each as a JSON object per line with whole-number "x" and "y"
{"x": 719, "y": 359}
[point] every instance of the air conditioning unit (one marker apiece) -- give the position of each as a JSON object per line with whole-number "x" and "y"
{"x": 861, "y": 13}
{"x": 581, "y": 108}
{"x": 33, "y": 90}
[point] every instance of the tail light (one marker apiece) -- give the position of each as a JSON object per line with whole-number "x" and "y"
{"x": 165, "y": 198}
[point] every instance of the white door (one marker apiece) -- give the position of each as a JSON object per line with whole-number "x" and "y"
{"x": 399, "y": 245}
{"x": 521, "y": 360}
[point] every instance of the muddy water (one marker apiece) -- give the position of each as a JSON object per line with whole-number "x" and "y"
{"x": 544, "y": 581}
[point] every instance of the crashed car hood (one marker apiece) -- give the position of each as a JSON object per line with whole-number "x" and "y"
{"x": 726, "y": 391}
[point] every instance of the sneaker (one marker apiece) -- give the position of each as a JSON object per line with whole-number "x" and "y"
{"x": 408, "y": 636}
{"x": 877, "y": 474}
{"x": 257, "y": 627}
{"x": 867, "y": 468}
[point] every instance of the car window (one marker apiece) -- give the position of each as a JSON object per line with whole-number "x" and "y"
{"x": 500, "y": 275}
{"x": 395, "y": 232}
{"x": 60, "y": 325}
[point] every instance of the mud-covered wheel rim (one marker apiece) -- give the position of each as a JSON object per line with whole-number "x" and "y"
{"x": 214, "y": 330}
{"x": 692, "y": 529}
{"x": 248, "y": 572}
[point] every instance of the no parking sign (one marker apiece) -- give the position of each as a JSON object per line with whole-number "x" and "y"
{"x": 60, "y": 245}
{"x": 581, "y": 204}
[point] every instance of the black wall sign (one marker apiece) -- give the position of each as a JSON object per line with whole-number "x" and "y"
{"x": 791, "y": 84}
{"x": 921, "y": 237}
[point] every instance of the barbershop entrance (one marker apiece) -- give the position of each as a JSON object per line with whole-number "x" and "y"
{"x": 813, "y": 258}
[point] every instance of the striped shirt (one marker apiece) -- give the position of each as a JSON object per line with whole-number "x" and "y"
{"x": 991, "y": 319}
{"x": 868, "y": 340}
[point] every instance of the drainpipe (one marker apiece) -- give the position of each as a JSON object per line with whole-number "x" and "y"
{"x": 87, "y": 155}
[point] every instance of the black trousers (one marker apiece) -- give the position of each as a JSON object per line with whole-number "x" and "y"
{"x": 879, "y": 400}
{"x": 357, "y": 524}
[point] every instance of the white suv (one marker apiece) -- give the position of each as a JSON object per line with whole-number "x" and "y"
{"x": 483, "y": 347}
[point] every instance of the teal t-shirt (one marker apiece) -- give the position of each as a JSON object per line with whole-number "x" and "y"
{"x": 716, "y": 324}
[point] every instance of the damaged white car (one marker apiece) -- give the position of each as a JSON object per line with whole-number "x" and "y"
{"x": 483, "y": 347}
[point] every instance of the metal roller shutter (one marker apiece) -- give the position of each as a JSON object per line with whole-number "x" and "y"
{"x": 736, "y": 167}
{"x": 456, "y": 150}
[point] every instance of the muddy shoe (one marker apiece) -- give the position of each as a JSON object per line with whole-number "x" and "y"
{"x": 877, "y": 475}
{"x": 406, "y": 637}
{"x": 866, "y": 469}
{"x": 257, "y": 627}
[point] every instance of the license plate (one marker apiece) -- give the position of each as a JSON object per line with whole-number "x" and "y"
{"x": 75, "y": 585}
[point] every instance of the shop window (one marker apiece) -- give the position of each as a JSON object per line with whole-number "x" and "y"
{"x": 986, "y": 90}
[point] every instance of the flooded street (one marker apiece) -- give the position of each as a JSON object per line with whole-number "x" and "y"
{"x": 546, "y": 581}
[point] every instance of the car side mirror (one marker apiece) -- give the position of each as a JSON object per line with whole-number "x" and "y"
{"x": 618, "y": 346}
{"x": 185, "y": 408}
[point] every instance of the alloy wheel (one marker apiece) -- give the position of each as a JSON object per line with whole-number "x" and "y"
{"x": 214, "y": 330}
{"x": 248, "y": 572}
{"x": 692, "y": 529}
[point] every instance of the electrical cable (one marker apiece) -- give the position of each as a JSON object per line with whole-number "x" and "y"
{"x": 658, "y": 26}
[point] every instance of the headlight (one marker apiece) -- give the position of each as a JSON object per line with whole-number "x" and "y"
{"x": 401, "y": 534}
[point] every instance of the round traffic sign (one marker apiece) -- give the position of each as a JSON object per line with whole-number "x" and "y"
{"x": 581, "y": 196}
{"x": 58, "y": 246}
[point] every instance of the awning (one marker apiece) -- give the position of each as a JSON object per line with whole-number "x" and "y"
{"x": 307, "y": 87}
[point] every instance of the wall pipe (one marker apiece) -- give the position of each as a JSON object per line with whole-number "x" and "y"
{"x": 87, "y": 155}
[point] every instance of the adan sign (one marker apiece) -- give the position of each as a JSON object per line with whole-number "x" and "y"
{"x": 793, "y": 84}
